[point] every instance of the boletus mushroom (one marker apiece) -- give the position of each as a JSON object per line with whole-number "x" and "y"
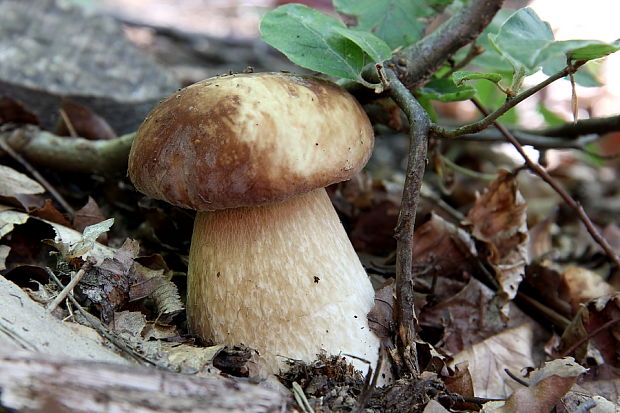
{"x": 270, "y": 264}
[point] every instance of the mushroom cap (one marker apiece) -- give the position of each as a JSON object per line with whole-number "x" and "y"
{"x": 249, "y": 139}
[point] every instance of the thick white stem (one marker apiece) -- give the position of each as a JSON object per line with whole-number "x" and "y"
{"x": 282, "y": 278}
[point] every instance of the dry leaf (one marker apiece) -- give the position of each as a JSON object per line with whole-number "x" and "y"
{"x": 512, "y": 349}
{"x": 594, "y": 333}
{"x": 89, "y": 214}
{"x": 547, "y": 386}
{"x": 85, "y": 122}
{"x": 583, "y": 285}
{"x": 434, "y": 406}
{"x": 49, "y": 212}
{"x": 4, "y": 253}
{"x": 498, "y": 218}
{"x": 8, "y": 220}
{"x": 13, "y": 183}
{"x": 12, "y": 111}
{"x": 441, "y": 248}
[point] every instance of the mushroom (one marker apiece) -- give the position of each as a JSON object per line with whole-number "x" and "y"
{"x": 270, "y": 264}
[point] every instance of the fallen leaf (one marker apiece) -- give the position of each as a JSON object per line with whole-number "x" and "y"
{"x": 583, "y": 285}
{"x": 89, "y": 214}
{"x": 13, "y": 111}
{"x": 4, "y": 252}
{"x": 499, "y": 219}
{"x": 49, "y": 213}
{"x": 547, "y": 386}
{"x": 511, "y": 349}
{"x": 441, "y": 248}
{"x": 594, "y": 332}
{"x": 434, "y": 406}
{"x": 381, "y": 317}
{"x": 84, "y": 122}
{"x": 13, "y": 183}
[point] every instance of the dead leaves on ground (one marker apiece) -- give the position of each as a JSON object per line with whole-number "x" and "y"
{"x": 472, "y": 273}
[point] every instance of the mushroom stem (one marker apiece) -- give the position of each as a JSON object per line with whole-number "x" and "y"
{"x": 282, "y": 278}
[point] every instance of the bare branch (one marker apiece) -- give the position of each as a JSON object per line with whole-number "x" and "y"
{"x": 416, "y": 63}
{"x": 583, "y": 127}
{"x": 419, "y": 124}
{"x": 70, "y": 154}
{"x": 490, "y": 118}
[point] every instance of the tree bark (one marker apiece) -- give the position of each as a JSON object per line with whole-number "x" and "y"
{"x": 32, "y": 382}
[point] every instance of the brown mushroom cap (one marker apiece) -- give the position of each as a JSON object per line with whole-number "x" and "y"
{"x": 249, "y": 139}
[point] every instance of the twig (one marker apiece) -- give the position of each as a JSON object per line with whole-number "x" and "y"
{"x": 599, "y": 330}
{"x": 5, "y": 147}
{"x": 517, "y": 379}
{"x": 583, "y": 127}
{"x": 540, "y": 171}
{"x": 555, "y": 317}
{"x": 419, "y": 124}
{"x": 370, "y": 383}
{"x": 101, "y": 329}
{"x": 68, "y": 123}
{"x": 537, "y": 141}
{"x": 490, "y": 118}
{"x": 473, "y": 52}
{"x": 69, "y": 287}
{"x": 300, "y": 398}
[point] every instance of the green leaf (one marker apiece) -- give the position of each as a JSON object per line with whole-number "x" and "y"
{"x": 460, "y": 77}
{"x": 397, "y": 22}
{"x": 311, "y": 40}
{"x": 376, "y": 48}
{"x": 444, "y": 90}
{"x": 594, "y": 50}
{"x": 522, "y": 37}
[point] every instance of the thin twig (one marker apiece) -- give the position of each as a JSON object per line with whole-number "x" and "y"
{"x": 69, "y": 287}
{"x": 517, "y": 379}
{"x": 490, "y": 118}
{"x": 540, "y": 171}
{"x": 473, "y": 52}
{"x": 419, "y": 124}
{"x": 5, "y": 147}
{"x": 68, "y": 123}
{"x": 370, "y": 383}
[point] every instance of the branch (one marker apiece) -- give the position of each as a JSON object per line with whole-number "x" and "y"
{"x": 490, "y": 118}
{"x": 419, "y": 124}
{"x": 529, "y": 138}
{"x": 416, "y": 63}
{"x": 39, "y": 382}
{"x": 536, "y": 168}
{"x": 70, "y": 154}
{"x": 583, "y": 127}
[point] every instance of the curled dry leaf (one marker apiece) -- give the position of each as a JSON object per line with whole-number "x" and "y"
{"x": 107, "y": 284}
{"x": 498, "y": 218}
{"x": 441, "y": 248}
{"x": 547, "y": 386}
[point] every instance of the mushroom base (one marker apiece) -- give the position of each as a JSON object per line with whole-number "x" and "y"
{"x": 282, "y": 278}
